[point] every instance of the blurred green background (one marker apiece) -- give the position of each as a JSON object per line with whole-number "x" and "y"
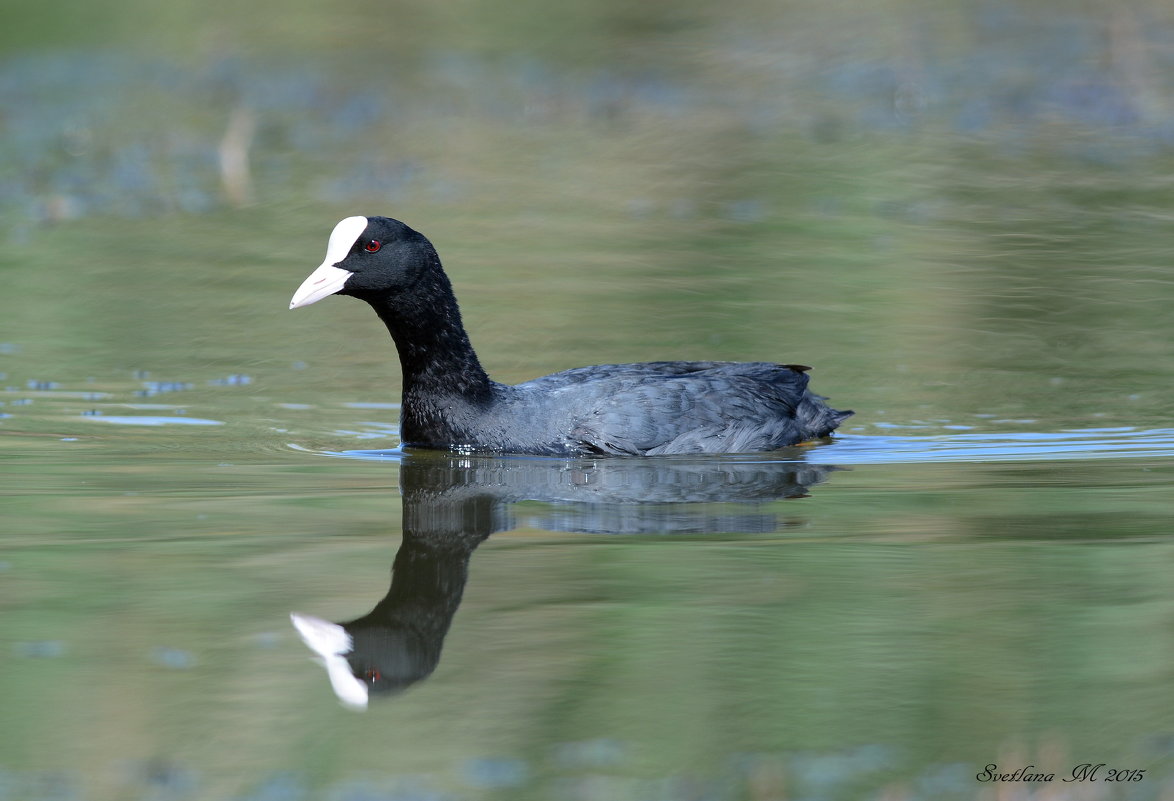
{"x": 959, "y": 213}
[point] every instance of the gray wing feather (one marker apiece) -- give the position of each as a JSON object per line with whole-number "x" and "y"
{"x": 720, "y": 407}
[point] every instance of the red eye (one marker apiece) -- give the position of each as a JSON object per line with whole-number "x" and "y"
{"x": 372, "y": 674}
{"x": 372, "y": 246}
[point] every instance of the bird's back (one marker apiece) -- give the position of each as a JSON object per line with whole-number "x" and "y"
{"x": 660, "y": 408}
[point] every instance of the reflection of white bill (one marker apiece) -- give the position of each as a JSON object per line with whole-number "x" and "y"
{"x": 332, "y": 643}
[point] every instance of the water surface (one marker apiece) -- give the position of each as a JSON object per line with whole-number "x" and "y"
{"x": 960, "y": 218}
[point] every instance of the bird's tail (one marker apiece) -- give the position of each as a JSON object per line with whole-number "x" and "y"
{"x": 816, "y": 418}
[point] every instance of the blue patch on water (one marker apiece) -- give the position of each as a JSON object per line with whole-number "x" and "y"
{"x": 41, "y": 649}
{"x": 231, "y": 381}
{"x": 494, "y": 773}
{"x": 152, "y": 388}
{"x": 1088, "y": 443}
{"x": 152, "y": 420}
{"x": 174, "y": 658}
{"x": 283, "y": 786}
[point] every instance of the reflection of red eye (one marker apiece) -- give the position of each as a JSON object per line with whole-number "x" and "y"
{"x": 372, "y": 246}
{"x": 372, "y": 674}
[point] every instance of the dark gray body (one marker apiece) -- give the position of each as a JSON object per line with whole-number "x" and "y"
{"x": 649, "y": 409}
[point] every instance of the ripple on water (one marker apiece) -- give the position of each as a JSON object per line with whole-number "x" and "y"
{"x": 849, "y": 449}
{"x": 1087, "y": 443}
{"x": 152, "y": 420}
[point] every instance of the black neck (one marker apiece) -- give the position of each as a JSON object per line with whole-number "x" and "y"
{"x": 434, "y": 350}
{"x": 426, "y": 587}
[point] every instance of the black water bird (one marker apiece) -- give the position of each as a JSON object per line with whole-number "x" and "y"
{"x": 649, "y": 409}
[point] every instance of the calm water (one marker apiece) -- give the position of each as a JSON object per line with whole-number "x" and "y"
{"x": 961, "y": 215}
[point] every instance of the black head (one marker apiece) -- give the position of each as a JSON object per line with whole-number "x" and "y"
{"x": 368, "y": 256}
{"x": 369, "y": 656}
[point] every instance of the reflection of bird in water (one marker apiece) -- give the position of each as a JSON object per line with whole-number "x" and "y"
{"x": 452, "y": 503}
{"x": 649, "y": 409}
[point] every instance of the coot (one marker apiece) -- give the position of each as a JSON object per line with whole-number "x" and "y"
{"x": 449, "y": 402}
